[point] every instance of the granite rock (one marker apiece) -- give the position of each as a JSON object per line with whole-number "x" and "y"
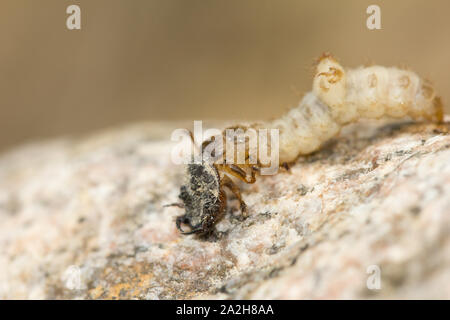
{"x": 83, "y": 218}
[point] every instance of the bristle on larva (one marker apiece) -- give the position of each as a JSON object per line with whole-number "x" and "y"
{"x": 340, "y": 96}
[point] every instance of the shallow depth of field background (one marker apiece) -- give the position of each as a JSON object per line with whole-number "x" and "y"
{"x": 139, "y": 60}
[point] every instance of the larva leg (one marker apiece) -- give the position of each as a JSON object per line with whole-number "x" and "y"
{"x": 253, "y": 169}
{"x": 240, "y": 174}
{"x": 237, "y": 171}
{"x": 227, "y": 182}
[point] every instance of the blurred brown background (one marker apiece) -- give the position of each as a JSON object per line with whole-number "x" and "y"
{"x": 136, "y": 60}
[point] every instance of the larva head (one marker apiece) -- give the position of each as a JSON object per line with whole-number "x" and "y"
{"x": 329, "y": 81}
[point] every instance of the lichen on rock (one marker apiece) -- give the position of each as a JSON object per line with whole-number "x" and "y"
{"x": 84, "y": 219}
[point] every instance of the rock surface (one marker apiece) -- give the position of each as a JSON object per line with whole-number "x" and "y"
{"x": 84, "y": 219}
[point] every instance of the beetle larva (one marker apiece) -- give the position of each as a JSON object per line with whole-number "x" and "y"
{"x": 338, "y": 97}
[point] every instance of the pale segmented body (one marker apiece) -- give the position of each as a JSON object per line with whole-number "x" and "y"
{"x": 341, "y": 96}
